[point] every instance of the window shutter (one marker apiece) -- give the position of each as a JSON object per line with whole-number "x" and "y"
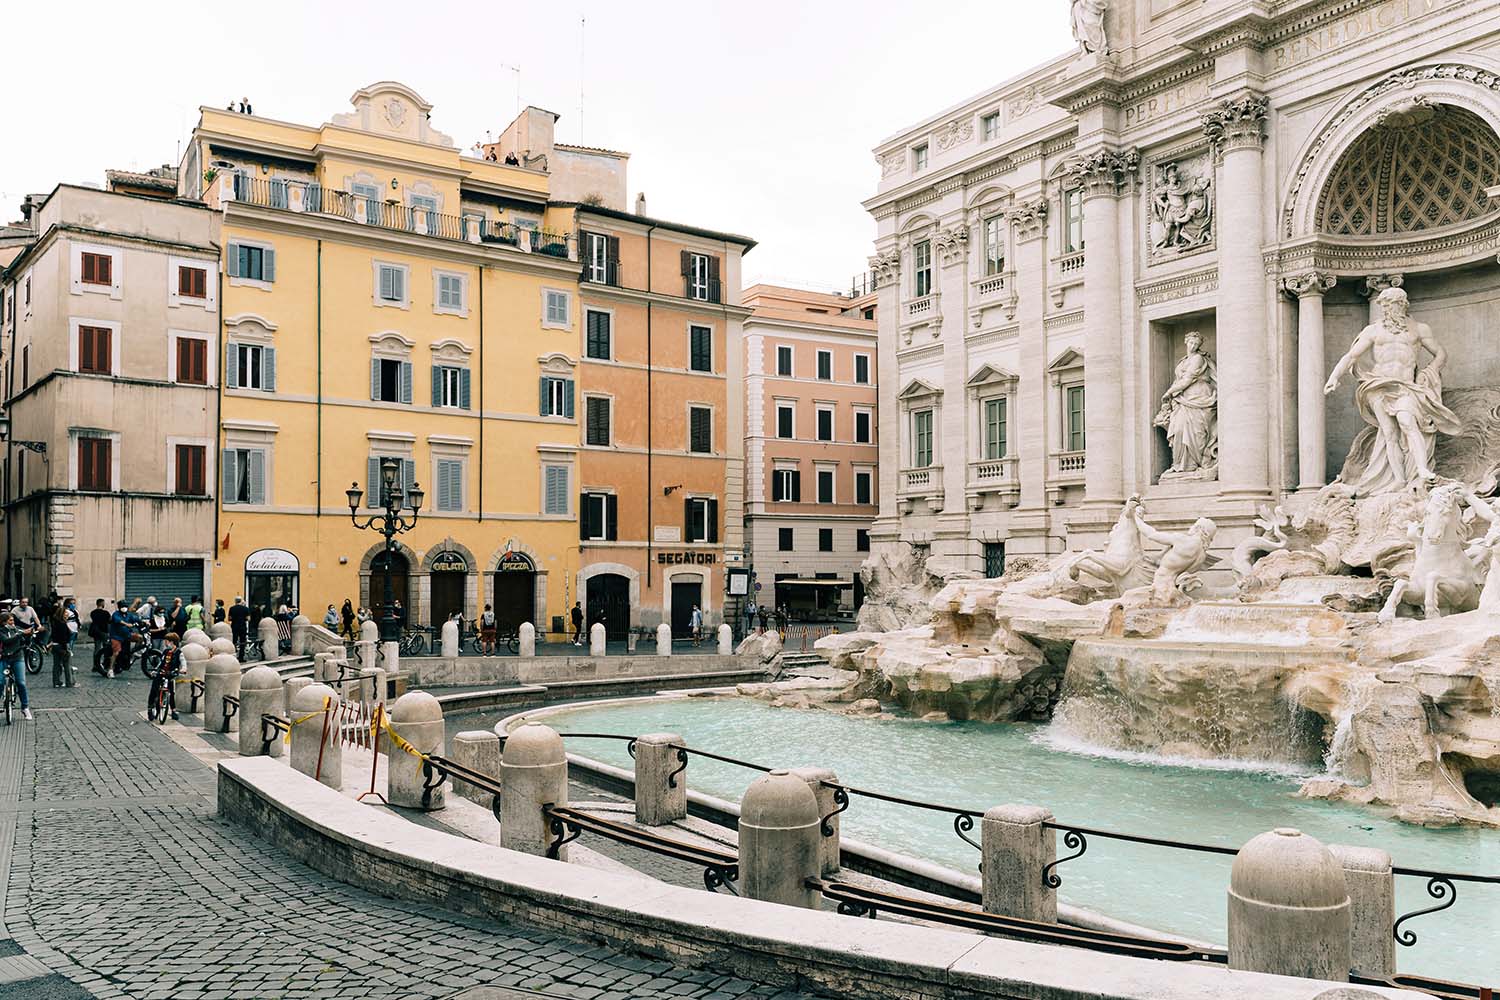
{"x": 268, "y": 265}
{"x": 713, "y": 520}
{"x": 268, "y": 369}
{"x": 776, "y": 485}
{"x": 568, "y": 398}
{"x": 387, "y": 281}
{"x": 372, "y": 490}
{"x": 713, "y": 279}
{"x": 585, "y": 516}
{"x": 406, "y": 381}
{"x": 543, "y": 397}
{"x": 612, "y": 260}
{"x": 231, "y": 478}
{"x": 234, "y": 260}
{"x": 687, "y": 264}
{"x": 374, "y": 378}
{"x": 797, "y": 486}
{"x": 687, "y": 519}
{"x": 257, "y": 472}
{"x": 463, "y": 388}
{"x": 444, "y": 485}
{"x": 437, "y": 385}
{"x": 231, "y": 365}
{"x": 611, "y": 518}
{"x": 408, "y": 474}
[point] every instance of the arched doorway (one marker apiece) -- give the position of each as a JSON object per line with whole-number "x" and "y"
{"x": 515, "y": 592}
{"x": 396, "y": 566}
{"x": 607, "y": 599}
{"x": 448, "y": 574}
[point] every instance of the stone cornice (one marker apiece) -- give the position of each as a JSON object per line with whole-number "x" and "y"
{"x": 1478, "y": 242}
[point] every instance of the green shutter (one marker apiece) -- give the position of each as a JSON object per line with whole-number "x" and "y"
{"x": 268, "y": 265}
{"x": 373, "y": 487}
{"x": 463, "y": 388}
{"x": 406, "y": 381}
{"x": 543, "y": 407}
{"x": 232, "y": 365}
{"x": 231, "y": 477}
{"x": 611, "y": 518}
{"x": 257, "y": 472}
{"x": 437, "y": 385}
{"x": 374, "y": 378}
{"x": 268, "y": 369}
{"x": 233, "y": 257}
{"x": 568, "y": 398}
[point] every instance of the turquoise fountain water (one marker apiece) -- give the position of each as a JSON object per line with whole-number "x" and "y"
{"x": 973, "y": 765}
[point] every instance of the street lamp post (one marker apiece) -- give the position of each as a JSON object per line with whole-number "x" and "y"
{"x": 389, "y": 523}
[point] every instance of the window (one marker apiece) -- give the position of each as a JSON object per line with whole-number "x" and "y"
{"x": 701, "y": 348}
{"x": 25, "y": 366}
{"x": 700, "y": 274}
{"x": 825, "y": 424}
{"x": 701, "y": 519}
{"x": 190, "y": 461}
{"x": 862, "y": 487}
{"x": 450, "y": 484}
{"x": 98, "y": 269}
{"x": 825, "y": 365}
{"x": 921, "y": 439}
{"x": 390, "y": 284}
{"x": 994, "y": 559}
{"x": 450, "y": 293}
{"x": 786, "y": 415}
{"x": 597, "y": 517}
{"x": 825, "y": 539}
{"x": 994, "y": 245}
{"x": 921, "y": 262}
{"x": 784, "y": 539}
{"x": 250, "y": 366}
{"x": 596, "y": 419}
{"x": 786, "y": 486}
{"x": 861, "y": 540}
{"x": 919, "y": 158}
{"x": 375, "y": 491}
{"x": 784, "y": 360}
{"x": 555, "y": 308}
{"x": 254, "y": 263}
{"x": 192, "y": 361}
{"x": 861, "y": 369}
{"x": 861, "y": 426}
{"x": 192, "y": 282}
{"x": 1075, "y": 436}
{"x": 427, "y": 205}
{"x": 450, "y": 387}
{"x": 700, "y": 429}
{"x": 95, "y": 348}
{"x": 555, "y": 489}
{"x": 601, "y": 255}
{"x": 95, "y": 464}
{"x": 371, "y": 194}
{"x": 825, "y": 486}
{"x": 989, "y": 126}
{"x": 556, "y": 397}
{"x": 390, "y": 380}
{"x": 1072, "y": 206}
{"x": 598, "y": 340}
{"x": 994, "y": 428}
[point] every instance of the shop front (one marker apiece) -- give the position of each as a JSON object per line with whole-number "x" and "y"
{"x": 163, "y": 577}
{"x": 515, "y": 591}
{"x": 448, "y": 573}
{"x": 271, "y": 580}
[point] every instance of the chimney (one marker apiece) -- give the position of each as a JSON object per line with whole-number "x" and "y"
{"x": 640, "y": 203}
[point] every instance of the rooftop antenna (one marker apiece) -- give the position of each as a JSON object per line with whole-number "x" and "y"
{"x": 582, "y": 27}
{"x": 517, "y": 71}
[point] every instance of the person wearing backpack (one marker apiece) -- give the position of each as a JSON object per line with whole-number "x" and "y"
{"x": 487, "y": 631}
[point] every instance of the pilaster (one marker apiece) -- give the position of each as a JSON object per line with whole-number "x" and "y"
{"x": 1028, "y": 226}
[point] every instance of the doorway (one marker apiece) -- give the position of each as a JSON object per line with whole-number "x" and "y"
{"x": 684, "y": 597}
{"x": 515, "y": 598}
{"x": 394, "y": 565}
{"x": 608, "y": 600}
{"x": 448, "y": 593}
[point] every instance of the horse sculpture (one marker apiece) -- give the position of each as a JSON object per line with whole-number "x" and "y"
{"x": 1442, "y": 578}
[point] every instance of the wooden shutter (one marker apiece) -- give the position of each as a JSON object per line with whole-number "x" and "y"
{"x": 437, "y": 385}
{"x": 256, "y": 465}
{"x": 94, "y": 458}
{"x": 713, "y": 280}
{"x": 232, "y": 364}
{"x": 544, "y": 398}
{"x": 687, "y": 274}
{"x": 231, "y": 485}
{"x": 463, "y": 388}
{"x": 776, "y": 490}
{"x": 190, "y": 470}
{"x": 374, "y": 378}
{"x": 612, "y": 260}
{"x": 700, "y": 431}
{"x": 713, "y": 520}
{"x": 373, "y": 487}
{"x": 268, "y": 369}
{"x": 268, "y": 265}
{"x": 233, "y": 256}
{"x": 585, "y": 517}
{"x": 568, "y": 398}
{"x": 687, "y": 520}
{"x": 192, "y": 361}
{"x": 406, "y": 381}
{"x": 611, "y": 518}
{"x": 797, "y": 486}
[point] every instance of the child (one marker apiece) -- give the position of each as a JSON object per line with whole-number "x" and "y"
{"x": 171, "y": 663}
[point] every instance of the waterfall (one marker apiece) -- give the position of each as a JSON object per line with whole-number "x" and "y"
{"x": 1341, "y": 749}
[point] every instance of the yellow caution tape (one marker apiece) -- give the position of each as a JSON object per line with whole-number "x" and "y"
{"x": 301, "y": 719}
{"x": 401, "y": 743}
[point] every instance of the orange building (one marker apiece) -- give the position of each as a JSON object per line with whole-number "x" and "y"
{"x": 812, "y": 447}
{"x": 661, "y": 466}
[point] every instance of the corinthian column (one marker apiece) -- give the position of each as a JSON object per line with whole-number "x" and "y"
{"x": 1312, "y": 443}
{"x": 1103, "y": 176}
{"x": 1236, "y": 130}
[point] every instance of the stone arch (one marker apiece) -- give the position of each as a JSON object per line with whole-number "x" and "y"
{"x": 450, "y": 544}
{"x": 918, "y": 222}
{"x": 413, "y": 593}
{"x": 990, "y": 194}
{"x": 1472, "y": 86}
{"x": 422, "y": 580}
{"x": 540, "y": 578}
{"x": 592, "y": 570}
{"x": 412, "y": 559}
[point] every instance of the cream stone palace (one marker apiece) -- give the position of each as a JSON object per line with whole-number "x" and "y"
{"x": 1144, "y": 269}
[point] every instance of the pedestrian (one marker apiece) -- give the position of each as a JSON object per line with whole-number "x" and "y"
{"x": 13, "y": 655}
{"x": 64, "y": 631}
{"x": 166, "y": 671}
{"x": 220, "y": 613}
{"x": 347, "y": 614}
{"x": 25, "y": 616}
{"x": 331, "y": 619}
{"x": 195, "y": 615}
{"x": 577, "y": 623}
{"x": 239, "y": 625}
{"x": 122, "y": 633}
{"x": 697, "y": 621}
{"x": 177, "y": 617}
{"x": 400, "y": 614}
{"x": 750, "y": 617}
{"x": 99, "y": 632}
{"x": 487, "y": 626}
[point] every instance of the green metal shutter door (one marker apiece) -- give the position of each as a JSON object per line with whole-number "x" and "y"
{"x": 163, "y": 582}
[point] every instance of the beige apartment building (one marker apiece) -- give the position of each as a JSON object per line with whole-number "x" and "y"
{"x": 110, "y": 329}
{"x": 811, "y": 447}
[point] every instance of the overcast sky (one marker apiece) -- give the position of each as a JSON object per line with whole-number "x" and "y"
{"x": 754, "y": 117}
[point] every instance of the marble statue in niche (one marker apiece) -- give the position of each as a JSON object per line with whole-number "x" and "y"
{"x": 1401, "y": 401}
{"x": 1181, "y": 210}
{"x": 1189, "y": 415}
{"x": 1088, "y": 25}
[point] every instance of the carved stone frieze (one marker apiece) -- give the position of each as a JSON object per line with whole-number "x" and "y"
{"x": 955, "y": 133}
{"x": 891, "y": 163}
{"x": 1238, "y": 123}
{"x": 1308, "y": 283}
{"x": 1023, "y": 103}
{"x": 1028, "y": 220}
{"x": 952, "y": 244}
{"x": 1181, "y": 206}
{"x": 1105, "y": 172}
{"x": 1177, "y": 287}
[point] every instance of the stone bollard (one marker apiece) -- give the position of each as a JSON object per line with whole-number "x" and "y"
{"x": 300, "y": 638}
{"x": 217, "y": 646}
{"x": 417, "y": 718}
{"x": 369, "y": 631}
{"x": 1372, "y": 909}
{"x": 479, "y": 750}
{"x": 290, "y": 689}
{"x": 450, "y": 639}
{"x": 194, "y": 660}
{"x": 315, "y": 750}
{"x": 371, "y": 685}
{"x": 779, "y": 840}
{"x": 260, "y": 694}
{"x": 660, "y": 779}
{"x": 828, "y": 846}
{"x": 321, "y": 671}
{"x": 1289, "y": 908}
{"x": 533, "y": 773}
{"x": 195, "y": 637}
{"x": 220, "y": 630}
{"x": 526, "y": 636}
{"x": 220, "y": 677}
{"x": 664, "y": 639}
{"x": 270, "y": 638}
{"x": 1015, "y": 848}
{"x": 597, "y": 638}
{"x": 726, "y": 640}
{"x": 364, "y": 655}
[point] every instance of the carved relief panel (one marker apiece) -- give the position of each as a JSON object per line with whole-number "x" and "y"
{"x": 1180, "y": 206}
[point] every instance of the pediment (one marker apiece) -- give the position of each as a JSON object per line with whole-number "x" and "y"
{"x": 1071, "y": 358}
{"x": 918, "y": 389}
{"x": 991, "y": 375}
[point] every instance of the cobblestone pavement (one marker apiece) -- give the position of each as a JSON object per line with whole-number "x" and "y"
{"x": 121, "y": 882}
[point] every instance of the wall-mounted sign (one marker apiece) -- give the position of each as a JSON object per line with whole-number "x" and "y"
{"x": 739, "y": 582}
{"x": 515, "y": 562}
{"x": 271, "y": 561}
{"x": 687, "y": 558}
{"x": 449, "y": 562}
{"x": 667, "y": 533}
{"x": 168, "y": 563}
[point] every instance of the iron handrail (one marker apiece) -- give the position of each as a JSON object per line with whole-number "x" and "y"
{"x": 720, "y": 868}
{"x": 231, "y": 708}
{"x": 446, "y": 768}
{"x": 277, "y": 725}
{"x": 1440, "y": 886}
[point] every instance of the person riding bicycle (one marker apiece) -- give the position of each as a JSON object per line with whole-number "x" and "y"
{"x": 166, "y": 673}
{"x": 122, "y": 631}
{"x": 13, "y": 656}
{"x": 26, "y": 617}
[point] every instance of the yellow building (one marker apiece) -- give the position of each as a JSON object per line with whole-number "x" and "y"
{"x": 385, "y": 295}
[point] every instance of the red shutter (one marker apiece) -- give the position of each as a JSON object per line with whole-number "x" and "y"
{"x": 190, "y": 471}
{"x": 96, "y": 268}
{"x": 94, "y": 463}
{"x": 93, "y": 350}
{"x": 192, "y": 361}
{"x": 192, "y": 282}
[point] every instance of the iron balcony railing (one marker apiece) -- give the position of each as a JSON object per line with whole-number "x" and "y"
{"x": 296, "y": 195}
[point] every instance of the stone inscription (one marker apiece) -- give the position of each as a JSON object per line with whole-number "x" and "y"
{"x": 1346, "y": 30}
{"x": 1167, "y": 102}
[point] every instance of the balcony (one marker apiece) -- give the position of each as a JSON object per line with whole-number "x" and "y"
{"x": 1064, "y": 468}
{"x": 918, "y": 309}
{"x": 921, "y": 484}
{"x": 1070, "y": 264}
{"x": 310, "y": 197}
{"x": 991, "y": 286}
{"x": 994, "y": 477}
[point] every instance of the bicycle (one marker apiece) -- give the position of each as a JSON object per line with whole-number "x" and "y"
{"x": 159, "y": 709}
{"x": 150, "y": 661}
{"x": 10, "y": 696}
{"x": 475, "y": 644}
{"x": 413, "y": 642}
{"x": 33, "y": 654}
